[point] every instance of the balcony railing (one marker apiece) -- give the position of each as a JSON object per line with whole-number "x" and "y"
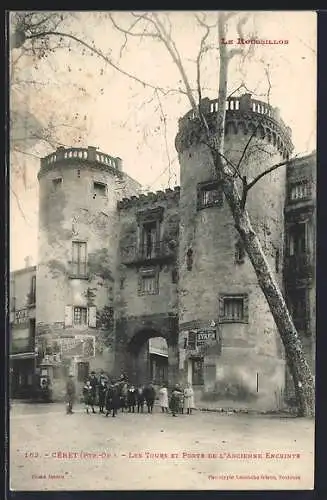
{"x": 78, "y": 270}
{"x": 163, "y": 250}
{"x": 299, "y": 266}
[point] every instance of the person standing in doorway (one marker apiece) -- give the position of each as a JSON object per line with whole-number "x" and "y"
{"x": 188, "y": 398}
{"x": 163, "y": 398}
{"x": 70, "y": 394}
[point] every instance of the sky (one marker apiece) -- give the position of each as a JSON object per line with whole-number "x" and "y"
{"x": 88, "y": 103}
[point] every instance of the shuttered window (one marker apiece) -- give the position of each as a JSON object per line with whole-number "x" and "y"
{"x": 210, "y": 194}
{"x": 148, "y": 281}
{"x": 79, "y": 259}
{"x": 233, "y": 308}
{"x": 80, "y": 316}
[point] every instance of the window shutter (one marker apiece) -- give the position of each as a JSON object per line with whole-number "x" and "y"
{"x": 92, "y": 317}
{"x": 68, "y": 316}
{"x": 221, "y": 308}
{"x": 246, "y": 309}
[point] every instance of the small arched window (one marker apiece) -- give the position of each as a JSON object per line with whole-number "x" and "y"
{"x": 239, "y": 252}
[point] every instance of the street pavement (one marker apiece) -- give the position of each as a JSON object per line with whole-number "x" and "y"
{"x": 50, "y": 450}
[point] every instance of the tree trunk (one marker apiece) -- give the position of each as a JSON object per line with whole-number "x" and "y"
{"x": 299, "y": 368}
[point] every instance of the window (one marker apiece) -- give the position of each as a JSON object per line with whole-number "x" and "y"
{"x": 32, "y": 330}
{"x": 233, "y": 309}
{"x": 239, "y": 252}
{"x": 57, "y": 183}
{"x": 299, "y": 191}
{"x": 197, "y": 371}
{"x": 80, "y": 316}
{"x": 148, "y": 282}
{"x": 210, "y": 194}
{"x": 79, "y": 262}
{"x": 191, "y": 339}
{"x": 149, "y": 239}
{"x": 298, "y": 308}
{"x": 83, "y": 369}
{"x": 297, "y": 239}
{"x": 99, "y": 189}
{"x": 76, "y": 315}
{"x": 277, "y": 261}
{"x": 33, "y": 290}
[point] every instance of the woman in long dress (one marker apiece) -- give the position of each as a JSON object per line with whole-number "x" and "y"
{"x": 188, "y": 399}
{"x": 163, "y": 398}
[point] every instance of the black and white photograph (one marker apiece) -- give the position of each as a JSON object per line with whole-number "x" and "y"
{"x": 162, "y": 290}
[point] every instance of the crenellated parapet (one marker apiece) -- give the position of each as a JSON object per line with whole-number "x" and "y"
{"x": 245, "y": 116}
{"x": 89, "y": 157}
{"x": 149, "y": 198}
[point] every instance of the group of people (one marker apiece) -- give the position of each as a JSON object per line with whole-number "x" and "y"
{"x": 110, "y": 396}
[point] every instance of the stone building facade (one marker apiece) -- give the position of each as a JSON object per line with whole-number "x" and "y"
{"x": 22, "y": 330}
{"x": 118, "y": 268}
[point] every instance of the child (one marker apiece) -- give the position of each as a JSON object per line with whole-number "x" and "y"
{"x": 88, "y": 396}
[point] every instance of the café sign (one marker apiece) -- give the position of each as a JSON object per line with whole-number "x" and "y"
{"x": 21, "y": 316}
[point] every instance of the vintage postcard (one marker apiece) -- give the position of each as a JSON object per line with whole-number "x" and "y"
{"x": 162, "y": 250}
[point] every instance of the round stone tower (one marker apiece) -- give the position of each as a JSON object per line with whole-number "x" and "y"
{"x": 77, "y": 251}
{"x": 229, "y": 344}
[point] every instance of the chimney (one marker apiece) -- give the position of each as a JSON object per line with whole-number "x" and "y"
{"x": 28, "y": 261}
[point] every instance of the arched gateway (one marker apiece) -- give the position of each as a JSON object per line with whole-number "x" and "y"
{"x": 131, "y": 353}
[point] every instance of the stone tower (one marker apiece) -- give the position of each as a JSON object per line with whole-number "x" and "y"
{"x": 217, "y": 284}
{"x": 77, "y": 250}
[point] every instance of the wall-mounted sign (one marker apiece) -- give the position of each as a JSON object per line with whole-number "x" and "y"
{"x": 206, "y": 336}
{"x": 21, "y": 316}
{"x": 199, "y": 336}
{"x": 77, "y": 345}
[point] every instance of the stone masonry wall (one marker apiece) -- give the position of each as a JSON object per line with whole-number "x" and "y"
{"x": 211, "y": 234}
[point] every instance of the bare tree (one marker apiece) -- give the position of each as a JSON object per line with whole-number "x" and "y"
{"x": 27, "y": 127}
{"x": 158, "y": 27}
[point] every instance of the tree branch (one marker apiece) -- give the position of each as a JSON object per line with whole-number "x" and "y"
{"x": 165, "y": 134}
{"x": 129, "y": 30}
{"x": 248, "y": 143}
{"x": 270, "y": 169}
{"x": 198, "y": 59}
{"x": 19, "y": 206}
{"x": 100, "y": 54}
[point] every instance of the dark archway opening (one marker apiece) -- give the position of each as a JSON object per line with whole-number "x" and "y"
{"x": 148, "y": 358}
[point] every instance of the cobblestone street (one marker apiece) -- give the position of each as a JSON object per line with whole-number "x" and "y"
{"x": 50, "y": 450}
